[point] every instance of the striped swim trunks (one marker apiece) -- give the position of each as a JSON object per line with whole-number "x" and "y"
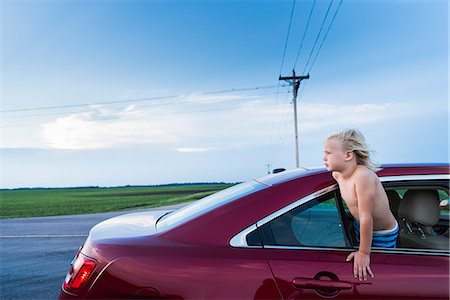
{"x": 381, "y": 238}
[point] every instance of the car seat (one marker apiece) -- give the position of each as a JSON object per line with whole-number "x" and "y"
{"x": 419, "y": 212}
{"x": 394, "y": 201}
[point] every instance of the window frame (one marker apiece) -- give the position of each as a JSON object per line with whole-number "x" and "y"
{"x": 240, "y": 239}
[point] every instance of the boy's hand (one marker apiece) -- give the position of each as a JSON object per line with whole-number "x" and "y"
{"x": 361, "y": 265}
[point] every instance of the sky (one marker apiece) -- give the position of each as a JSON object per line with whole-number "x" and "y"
{"x": 113, "y": 93}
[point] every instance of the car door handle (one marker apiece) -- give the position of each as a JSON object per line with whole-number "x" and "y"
{"x": 308, "y": 283}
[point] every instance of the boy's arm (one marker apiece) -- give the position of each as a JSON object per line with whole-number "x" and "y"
{"x": 365, "y": 193}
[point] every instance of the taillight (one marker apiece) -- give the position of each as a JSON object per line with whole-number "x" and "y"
{"x": 80, "y": 270}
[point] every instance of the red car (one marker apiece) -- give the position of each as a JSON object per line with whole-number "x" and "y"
{"x": 285, "y": 236}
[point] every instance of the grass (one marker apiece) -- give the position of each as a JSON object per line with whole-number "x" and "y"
{"x": 23, "y": 203}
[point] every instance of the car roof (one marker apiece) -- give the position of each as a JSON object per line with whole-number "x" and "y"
{"x": 288, "y": 175}
{"x": 385, "y": 170}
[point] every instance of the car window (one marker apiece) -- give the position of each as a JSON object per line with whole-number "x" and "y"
{"x": 316, "y": 223}
{"x": 326, "y": 221}
{"x": 209, "y": 203}
{"x": 416, "y": 211}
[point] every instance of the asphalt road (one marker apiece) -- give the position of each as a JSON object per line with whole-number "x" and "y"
{"x": 35, "y": 253}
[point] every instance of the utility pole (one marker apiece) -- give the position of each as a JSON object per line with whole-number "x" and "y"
{"x": 295, "y": 82}
{"x": 268, "y": 168}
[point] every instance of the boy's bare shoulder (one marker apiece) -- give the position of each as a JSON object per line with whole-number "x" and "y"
{"x": 362, "y": 173}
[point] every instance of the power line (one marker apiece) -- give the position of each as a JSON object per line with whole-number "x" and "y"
{"x": 304, "y": 33}
{"x": 87, "y": 104}
{"x": 287, "y": 37}
{"x": 326, "y": 34}
{"x": 318, "y": 35}
{"x": 321, "y": 44}
{"x": 313, "y": 48}
{"x": 153, "y": 105}
{"x": 159, "y": 114}
{"x": 134, "y": 100}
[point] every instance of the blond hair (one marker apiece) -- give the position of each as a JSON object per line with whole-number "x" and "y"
{"x": 353, "y": 140}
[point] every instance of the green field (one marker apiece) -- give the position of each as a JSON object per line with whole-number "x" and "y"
{"x": 22, "y": 203}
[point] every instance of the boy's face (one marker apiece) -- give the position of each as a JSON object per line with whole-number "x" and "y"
{"x": 334, "y": 155}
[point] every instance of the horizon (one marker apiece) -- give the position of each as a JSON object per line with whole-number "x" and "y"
{"x": 211, "y": 182}
{"x": 117, "y": 187}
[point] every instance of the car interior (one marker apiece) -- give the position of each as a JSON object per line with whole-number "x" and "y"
{"x": 422, "y": 212}
{"x": 423, "y": 221}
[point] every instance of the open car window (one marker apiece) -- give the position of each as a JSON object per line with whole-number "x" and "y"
{"x": 422, "y": 211}
{"x": 316, "y": 223}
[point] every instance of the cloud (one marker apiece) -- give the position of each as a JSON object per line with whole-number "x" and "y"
{"x": 105, "y": 128}
{"x": 200, "y": 127}
{"x": 317, "y": 116}
{"x": 205, "y": 127}
{"x": 313, "y": 116}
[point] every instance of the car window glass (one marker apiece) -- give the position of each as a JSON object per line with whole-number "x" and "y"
{"x": 209, "y": 203}
{"x": 316, "y": 223}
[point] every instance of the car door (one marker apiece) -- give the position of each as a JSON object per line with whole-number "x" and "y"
{"x": 307, "y": 244}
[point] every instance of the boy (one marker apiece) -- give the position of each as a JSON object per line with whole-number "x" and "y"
{"x": 347, "y": 157}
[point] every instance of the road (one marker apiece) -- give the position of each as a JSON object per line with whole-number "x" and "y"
{"x": 35, "y": 253}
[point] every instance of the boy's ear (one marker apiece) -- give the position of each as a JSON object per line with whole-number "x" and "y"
{"x": 349, "y": 155}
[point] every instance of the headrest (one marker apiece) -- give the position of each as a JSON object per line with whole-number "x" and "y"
{"x": 420, "y": 206}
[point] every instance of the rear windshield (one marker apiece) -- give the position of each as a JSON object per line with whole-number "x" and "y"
{"x": 208, "y": 203}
